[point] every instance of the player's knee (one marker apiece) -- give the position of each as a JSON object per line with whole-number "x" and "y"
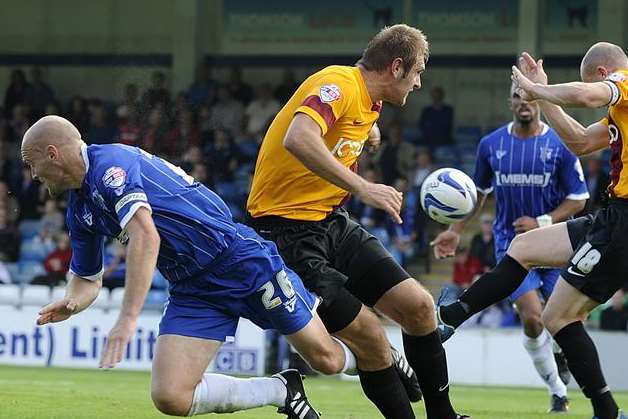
{"x": 170, "y": 401}
{"x": 521, "y": 249}
{"x": 419, "y": 317}
{"x": 328, "y": 362}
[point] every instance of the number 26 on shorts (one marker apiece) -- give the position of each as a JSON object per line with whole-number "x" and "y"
{"x": 269, "y": 290}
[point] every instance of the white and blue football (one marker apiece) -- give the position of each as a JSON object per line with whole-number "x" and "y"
{"x": 448, "y": 195}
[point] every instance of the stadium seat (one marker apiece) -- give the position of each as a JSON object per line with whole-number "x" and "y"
{"x": 115, "y": 300}
{"x": 468, "y": 135}
{"x": 35, "y": 295}
{"x": 411, "y": 134}
{"x": 28, "y": 270}
{"x": 14, "y": 271}
{"x": 29, "y": 228}
{"x": 9, "y": 294}
{"x": 33, "y": 250}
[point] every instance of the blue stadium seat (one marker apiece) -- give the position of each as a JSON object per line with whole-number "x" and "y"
{"x": 468, "y": 134}
{"x": 446, "y": 155}
{"x": 33, "y": 250}
{"x": 14, "y": 271}
{"x": 29, "y": 228}
{"x": 29, "y": 269}
{"x": 411, "y": 134}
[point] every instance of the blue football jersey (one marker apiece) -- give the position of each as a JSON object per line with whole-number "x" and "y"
{"x": 529, "y": 176}
{"x": 194, "y": 224}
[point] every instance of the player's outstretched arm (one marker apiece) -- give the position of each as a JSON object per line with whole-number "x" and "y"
{"x": 305, "y": 142}
{"x": 141, "y": 260}
{"x": 80, "y": 293}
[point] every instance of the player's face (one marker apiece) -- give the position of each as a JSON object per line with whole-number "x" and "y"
{"x": 44, "y": 168}
{"x": 405, "y": 84}
{"x": 523, "y": 111}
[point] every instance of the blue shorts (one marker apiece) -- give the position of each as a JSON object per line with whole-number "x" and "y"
{"x": 249, "y": 280}
{"x": 540, "y": 279}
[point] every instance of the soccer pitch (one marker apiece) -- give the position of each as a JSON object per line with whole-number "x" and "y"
{"x": 55, "y": 393}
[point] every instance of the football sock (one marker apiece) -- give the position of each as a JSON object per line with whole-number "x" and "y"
{"x": 350, "y": 366}
{"x": 217, "y": 393}
{"x": 385, "y": 390}
{"x": 491, "y": 288}
{"x": 426, "y": 356}
{"x": 584, "y": 364}
{"x": 540, "y": 350}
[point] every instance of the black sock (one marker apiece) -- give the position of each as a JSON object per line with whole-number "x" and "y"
{"x": 491, "y": 288}
{"x": 426, "y": 356}
{"x": 584, "y": 364}
{"x": 385, "y": 390}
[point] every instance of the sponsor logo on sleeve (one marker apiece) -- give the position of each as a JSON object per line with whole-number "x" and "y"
{"x": 114, "y": 177}
{"x": 329, "y": 93}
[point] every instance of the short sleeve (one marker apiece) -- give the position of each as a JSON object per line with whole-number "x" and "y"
{"x": 618, "y": 83}
{"x": 483, "y": 175}
{"x": 571, "y": 177}
{"x": 122, "y": 189}
{"x": 327, "y": 101}
{"x": 87, "y": 253}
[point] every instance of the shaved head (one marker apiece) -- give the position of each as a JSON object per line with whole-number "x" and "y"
{"x": 51, "y": 130}
{"x": 601, "y": 59}
{"x": 52, "y": 150}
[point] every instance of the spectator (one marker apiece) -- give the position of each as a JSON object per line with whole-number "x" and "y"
{"x": 615, "y": 317}
{"x": 239, "y": 90}
{"x": 19, "y": 122}
{"x": 286, "y": 89}
{"x": 31, "y": 196}
{"x": 78, "y": 114}
{"x": 201, "y": 175}
{"x": 100, "y": 130}
{"x": 130, "y": 106}
{"x": 223, "y": 155}
{"x": 10, "y": 239}
{"x": 9, "y": 168}
{"x": 203, "y": 90}
{"x": 227, "y": 114}
{"x": 157, "y": 93}
{"x": 155, "y": 131}
{"x": 597, "y": 182}
{"x": 423, "y": 166}
{"x": 260, "y": 112}
{"x": 57, "y": 263}
{"x": 437, "y": 121}
{"x": 128, "y": 127}
{"x": 402, "y": 235}
{"x": 41, "y": 93}
{"x": 395, "y": 156}
{"x": 52, "y": 222}
{"x": 193, "y": 155}
{"x": 9, "y": 203}
{"x": 483, "y": 244}
{"x": 183, "y": 135}
{"x": 18, "y": 92}
{"x": 466, "y": 268}
{"x": 115, "y": 266}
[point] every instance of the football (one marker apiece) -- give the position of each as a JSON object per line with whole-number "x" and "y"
{"x": 448, "y": 195}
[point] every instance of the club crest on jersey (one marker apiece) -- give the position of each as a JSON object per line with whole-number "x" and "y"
{"x": 500, "y": 153}
{"x": 87, "y": 217}
{"x": 546, "y": 154}
{"x": 114, "y": 177}
{"x": 329, "y": 93}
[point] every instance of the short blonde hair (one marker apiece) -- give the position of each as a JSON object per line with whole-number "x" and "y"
{"x": 397, "y": 41}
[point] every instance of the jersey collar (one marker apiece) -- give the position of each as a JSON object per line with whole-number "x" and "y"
{"x": 366, "y": 97}
{"x": 543, "y": 131}
{"x": 85, "y": 157}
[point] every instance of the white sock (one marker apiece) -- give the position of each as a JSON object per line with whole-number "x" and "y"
{"x": 540, "y": 350}
{"x": 217, "y": 393}
{"x": 351, "y": 364}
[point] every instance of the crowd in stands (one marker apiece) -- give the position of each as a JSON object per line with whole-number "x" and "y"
{"x": 213, "y": 131}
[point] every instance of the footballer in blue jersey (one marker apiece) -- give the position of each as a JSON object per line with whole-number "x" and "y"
{"x": 537, "y": 181}
{"x": 218, "y": 271}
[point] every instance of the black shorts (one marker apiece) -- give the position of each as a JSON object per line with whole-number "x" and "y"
{"x": 337, "y": 259}
{"x": 599, "y": 265}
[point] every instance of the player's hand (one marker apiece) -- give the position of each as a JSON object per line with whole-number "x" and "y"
{"x": 383, "y": 197}
{"x": 374, "y": 140}
{"x": 525, "y": 223}
{"x": 57, "y": 311}
{"x": 523, "y": 85}
{"x": 445, "y": 244}
{"x": 118, "y": 338}
{"x": 532, "y": 69}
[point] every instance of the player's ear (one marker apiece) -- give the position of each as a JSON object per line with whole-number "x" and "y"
{"x": 52, "y": 153}
{"x": 396, "y": 68}
{"x": 602, "y": 72}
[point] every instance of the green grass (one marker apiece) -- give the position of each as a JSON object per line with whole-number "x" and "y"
{"x": 56, "y": 393}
